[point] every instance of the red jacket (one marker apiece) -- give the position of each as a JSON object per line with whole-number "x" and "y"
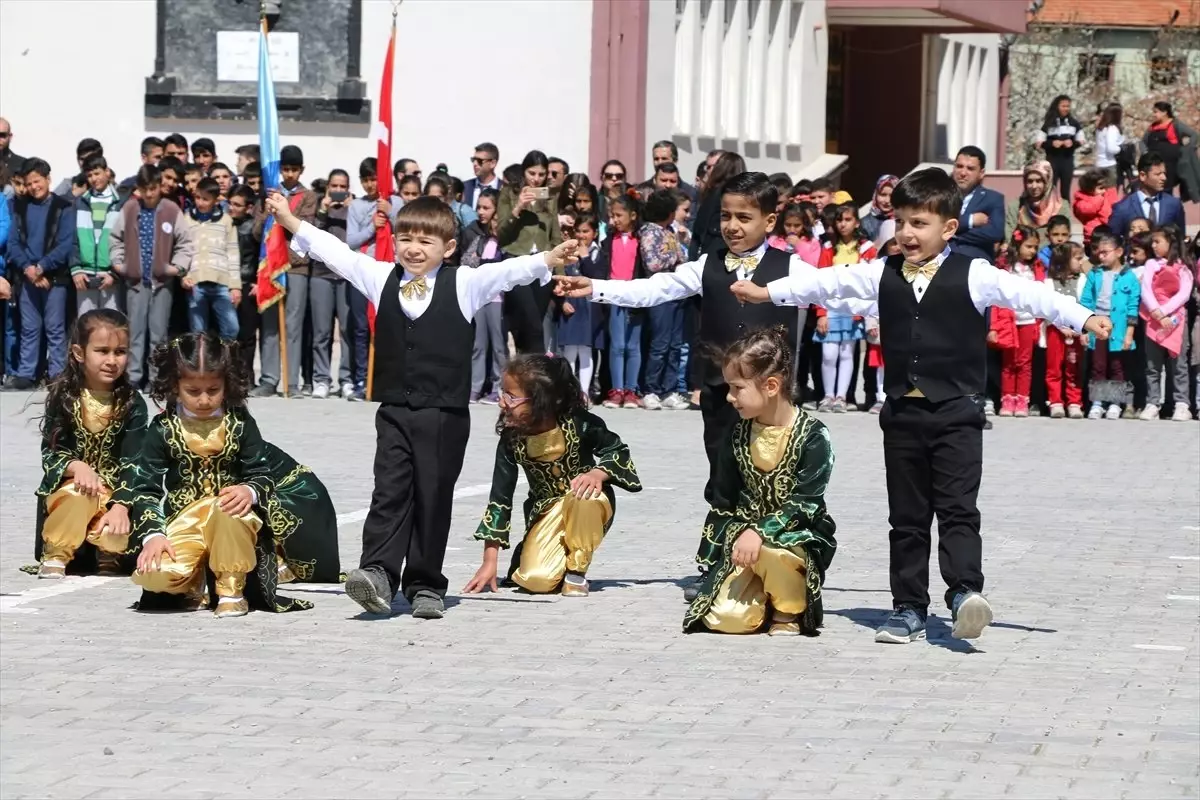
{"x": 866, "y": 252}
{"x": 1093, "y": 210}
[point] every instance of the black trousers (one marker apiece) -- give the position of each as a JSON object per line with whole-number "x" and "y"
{"x": 1063, "y": 164}
{"x": 718, "y": 417}
{"x": 933, "y": 454}
{"x": 524, "y": 309}
{"x": 418, "y": 456}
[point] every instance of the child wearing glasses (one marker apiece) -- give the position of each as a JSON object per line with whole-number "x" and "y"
{"x": 571, "y": 461}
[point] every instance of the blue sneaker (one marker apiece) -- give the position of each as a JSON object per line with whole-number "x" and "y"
{"x": 972, "y": 614}
{"x": 903, "y": 626}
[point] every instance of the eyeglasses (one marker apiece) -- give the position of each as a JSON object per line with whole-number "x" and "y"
{"x": 614, "y": 176}
{"x": 480, "y": 161}
{"x": 5, "y": 134}
{"x": 511, "y": 401}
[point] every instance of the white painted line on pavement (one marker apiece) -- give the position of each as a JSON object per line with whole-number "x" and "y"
{"x": 15, "y": 603}
{"x": 1192, "y": 597}
{"x": 1191, "y": 527}
{"x": 1169, "y": 648}
{"x": 1185, "y": 558}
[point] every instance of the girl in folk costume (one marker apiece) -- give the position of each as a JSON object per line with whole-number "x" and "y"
{"x": 768, "y": 538}
{"x": 837, "y": 333}
{"x": 91, "y": 431}
{"x": 1064, "y": 347}
{"x": 1166, "y": 288}
{"x": 210, "y": 496}
{"x": 881, "y": 206}
{"x": 571, "y": 461}
{"x": 1016, "y": 376}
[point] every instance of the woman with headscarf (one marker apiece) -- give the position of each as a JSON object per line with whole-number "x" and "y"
{"x": 881, "y": 206}
{"x": 1039, "y": 201}
{"x": 1060, "y": 136}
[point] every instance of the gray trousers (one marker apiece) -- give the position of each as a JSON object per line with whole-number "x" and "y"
{"x": 295, "y": 304}
{"x": 1158, "y": 360}
{"x": 149, "y": 312}
{"x": 326, "y": 298}
{"x": 489, "y": 335}
{"x": 111, "y": 298}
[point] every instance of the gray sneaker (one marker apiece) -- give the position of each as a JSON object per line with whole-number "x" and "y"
{"x": 693, "y": 589}
{"x": 262, "y": 390}
{"x": 370, "y": 589}
{"x": 428, "y": 605}
{"x": 903, "y": 626}
{"x": 972, "y": 613}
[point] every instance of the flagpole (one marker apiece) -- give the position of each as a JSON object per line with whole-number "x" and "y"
{"x": 283, "y": 360}
{"x": 385, "y": 86}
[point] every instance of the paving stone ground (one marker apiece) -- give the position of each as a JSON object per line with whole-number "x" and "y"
{"x": 1087, "y": 686}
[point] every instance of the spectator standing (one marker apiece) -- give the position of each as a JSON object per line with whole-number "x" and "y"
{"x": 1108, "y": 142}
{"x": 706, "y": 233}
{"x": 151, "y": 153}
{"x": 7, "y": 352}
{"x": 204, "y": 154}
{"x": 328, "y": 294}
{"x": 214, "y": 278}
{"x": 881, "y": 206}
{"x": 176, "y": 146}
{"x": 981, "y": 221}
{"x": 247, "y": 154}
{"x": 1176, "y": 143}
{"x": 1111, "y": 291}
{"x": 241, "y": 213}
{"x": 223, "y": 175}
{"x": 96, "y": 212}
{"x": 662, "y": 252}
{"x": 1061, "y": 134}
{"x": 1150, "y": 200}
{"x": 665, "y": 151}
{"x": 76, "y": 185}
{"x": 556, "y": 172}
{"x": 480, "y": 249}
{"x": 483, "y": 162}
{"x": 8, "y": 159}
{"x": 612, "y": 182}
{"x": 1166, "y": 288}
{"x": 1038, "y": 203}
{"x": 1093, "y": 203}
{"x": 39, "y": 248}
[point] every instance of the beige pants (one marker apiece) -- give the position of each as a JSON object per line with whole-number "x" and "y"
{"x": 204, "y": 534}
{"x": 71, "y": 518}
{"x": 562, "y": 541}
{"x": 778, "y": 578}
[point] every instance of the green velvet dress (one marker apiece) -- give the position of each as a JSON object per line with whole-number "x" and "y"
{"x": 111, "y": 452}
{"x": 785, "y": 506}
{"x": 590, "y": 444}
{"x": 294, "y": 506}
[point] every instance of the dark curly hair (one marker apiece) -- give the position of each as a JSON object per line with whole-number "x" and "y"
{"x": 64, "y": 391}
{"x": 552, "y": 389}
{"x": 198, "y": 353}
{"x": 760, "y": 354}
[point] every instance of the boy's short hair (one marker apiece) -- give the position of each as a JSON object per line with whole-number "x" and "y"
{"x": 782, "y": 182}
{"x": 170, "y": 163}
{"x": 1140, "y": 241}
{"x": 368, "y": 168}
{"x": 189, "y": 168}
{"x": 32, "y": 165}
{"x": 291, "y": 156}
{"x": 148, "y": 175}
{"x": 587, "y": 219}
{"x": 930, "y": 189}
{"x": 490, "y": 149}
{"x": 667, "y": 168}
{"x": 208, "y": 187}
{"x": 250, "y": 151}
{"x": 177, "y": 140}
{"x": 971, "y": 151}
{"x": 94, "y": 162}
{"x": 245, "y": 192}
{"x": 203, "y": 145}
{"x": 660, "y": 206}
{"x": 428, "y": 215}
{"x": 1058, "y": 221}
{"x": 557, "y": 160}
{"x": 667, "y": 143}
{"x": 216, "y": 165}
{"x": 252, "y": 170}
{"x": 1149, "y": 161}
{"x": 1090, "y": 180}
{"x": 88, "y": 146}
{"x": 1099, "y": 237}
{"x": 755, "y": 187}
{"x": 151, "y": 142}
{"x": 821, "y": 185}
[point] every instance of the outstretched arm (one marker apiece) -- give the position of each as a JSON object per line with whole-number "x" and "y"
{"x": 662, "y": 287}
{"x": 476, "y": 287}
{"x": 808, "y": 285}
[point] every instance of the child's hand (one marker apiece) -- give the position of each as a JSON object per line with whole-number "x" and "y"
{"x": 188, "y": 284}
{"x": 750, "y": 292}
{"x": 381, "y": 219}
{"x": 873, "y": 333}
{"x": 485, "y": 576}
{"x": 993, "y": 337}
{"x": 562, "y": 255}
{"x": 116, "y": 519}
{"x": 150, "y": 558}
{"x": 1128, "y": 340}
{"x": 86, "y": 479}
{"x": 80, "y": 280}
{"x": 277, "y": 204}
{"x": 235, "y": 296}
{"x": 746, "y": 548}
{"x": 5, "y": 289}
{"x": 236, "y": 500}
{"x": 572, "y": 286}
{"x": 589, "y": 485}
{"x": 823, "y": 325}
{"x": 1101, "y": 328}
{"x": 567, "y": 309}
{"x": 107, "y": 281}
{"x": 1167, "y": 324}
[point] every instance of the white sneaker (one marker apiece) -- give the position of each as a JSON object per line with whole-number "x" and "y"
{"x": 989, "y": 408}
{"x": 1097, "y": 411}
{"x": 1181, "y": 414}
{"x": 347, "y": 390}
{"x": 676, "y": 402}
{"x": 320, "y": 391}
{"x": 1150, "y": 412}
{"x": 651, "y": 402}
{"x": 1114, "y": 412}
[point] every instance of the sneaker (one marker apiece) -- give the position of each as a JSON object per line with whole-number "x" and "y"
{"x": 492, "y": 399}
{"x": 475, "y": 396}
{"x": 306, "y": 390}
{"x": 839, "y": 405}
{"x": 1129, "y": 413}
{"x": 631, "y": 400}
{"x": 1057, "y": 411}
{"x": 359, "y": 396}
{"x": 320, "y": 391}
{"x": 1181, "y": 414}
{"x": 825, "y": 406}
{"x": 1020, "y": 406}
{"x": 1007, "y": 405}
{"x": 1074, "y": 411}
{"x": 989, "y": 408}
{"x": 52, "y": 570}
{"x": 903, "y": 626}
{"x": 369, "y": 588}
{"x": 348, "y": 390}
{"x": 676, "y": 402}
{"x": 652, "y": 402}
{"x": 428, "y": 605}
{"x": 262, "y": 390}
{"x": 693, "y": 589}
{"x": 1097, "y": 411}
{"x": 1150, "y": 412}
{"x": 971, "y": 613}
{"x": 18, "y": 384}
{"x": 1114, "y": 412}
{"x": 574, "y": 586}
{"x": 614, "y": 399}
{"x": 808, "y": 406}
{"x": 878, "y": 407}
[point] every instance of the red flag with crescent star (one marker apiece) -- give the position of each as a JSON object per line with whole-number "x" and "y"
{"x": 385, "y": 245}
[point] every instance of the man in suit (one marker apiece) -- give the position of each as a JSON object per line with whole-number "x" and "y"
{"x": 665, "y": 152}
{"x": 1148, "y": 200}
{"x": 484, "y": 162}
{"x": 981, "y": 221}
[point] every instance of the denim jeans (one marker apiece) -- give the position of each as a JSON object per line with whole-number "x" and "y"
{"x": 43, "y": 311}
{"x": 215, "y": 296}
{"x": 362, "y": 335}
{"x": 684, "y": 352}
{"x": 625, "y": 347}
{"x": 666, "y": 340}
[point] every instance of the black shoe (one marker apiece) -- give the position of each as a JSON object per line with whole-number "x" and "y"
{"x": 370, "y": 589}
{"x": 987, "y": 424}
{"x": 18, "y": 384}
{"x": 692, "y": 590}
{"x": 262, "y": 390}
{"x": 428, "y": 605}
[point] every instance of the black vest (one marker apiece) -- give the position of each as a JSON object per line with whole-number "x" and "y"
{"x": 424, "y": 362}
{"x": 723, "y": 319}
{"x": 937, "y": 345}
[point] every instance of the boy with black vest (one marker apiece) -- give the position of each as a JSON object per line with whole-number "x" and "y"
{"x": 424, "y": 333}
{"x": 934, "y": 336}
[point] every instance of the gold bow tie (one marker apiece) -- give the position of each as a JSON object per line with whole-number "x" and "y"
{"x": 911, "y": 270}
{"x": 415, "y": 289}
{"x": 733, "y": 263}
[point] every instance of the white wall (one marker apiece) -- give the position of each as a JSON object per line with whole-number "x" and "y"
{"x": 530, "y": 92}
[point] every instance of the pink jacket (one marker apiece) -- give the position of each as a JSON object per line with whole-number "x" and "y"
{"x": 1165, "y": 288}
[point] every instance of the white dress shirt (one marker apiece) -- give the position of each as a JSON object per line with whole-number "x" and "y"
{"x": 494, "y": 183}
{"x": 1150, "y": 206}
{"x": 475, "y": 287}
{"x": 986, "y": 284}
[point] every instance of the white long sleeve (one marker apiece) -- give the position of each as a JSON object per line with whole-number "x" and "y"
{"x": 659, "y": 288}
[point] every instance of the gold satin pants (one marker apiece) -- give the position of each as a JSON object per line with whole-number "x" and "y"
{"x": 71, "y": 518}
{"x": 777, "y": 579}
{"x": 562, "y": 541}
{"x": 204, "y": 534}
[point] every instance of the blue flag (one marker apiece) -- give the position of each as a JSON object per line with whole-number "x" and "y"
{"x": 272, "y": 275}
